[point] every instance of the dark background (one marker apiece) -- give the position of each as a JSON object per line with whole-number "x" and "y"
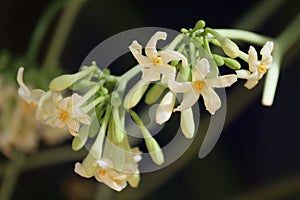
{"x": 258, "y": 152}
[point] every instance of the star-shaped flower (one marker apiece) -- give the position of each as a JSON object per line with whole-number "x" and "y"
{"x": 156, "y": 63}
{"x": 65, "y": 112}
{"x": 257, "y": 68}
{"x": 201, "y": 86}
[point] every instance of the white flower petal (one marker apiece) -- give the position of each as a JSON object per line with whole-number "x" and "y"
{"x": 244, "y": 74}
{"x": 168, "y": 70}
{"x": 252, "y": 60}
{"x": 136, "y": 51}
{"x": 201, "y": 70}
{"x": 165, "y": 108}
{"x": 251, "y": 83}
{"x": 25, "y": 89}
{"x": 151, "y": 45}
{"x": 180, "y": 87}
{"x": 151, "y": 74}
{"x": 211, "y": 99}
{"x": 188, "y": 101}
{"x": 266, "y": 52}
{"x": 168, "y": 56}
{"x": 221, "y": 81}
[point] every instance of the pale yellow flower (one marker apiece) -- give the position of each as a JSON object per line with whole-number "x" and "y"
{"x": 257, "y": 68}
{"x": 200, "y": 85}
{"x": 66, "y": 113}
{"x": 156, "y": 63}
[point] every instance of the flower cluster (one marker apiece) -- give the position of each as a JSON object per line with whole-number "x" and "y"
{"x": 90, "y": 103}
{"x": 18, "y": 127}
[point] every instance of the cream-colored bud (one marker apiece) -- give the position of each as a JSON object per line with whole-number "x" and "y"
{"x": 187, "y": 123}
{"x": 230, "y": 48}
{"x": 135, "y": 94}
{"x": 165, "y": 108}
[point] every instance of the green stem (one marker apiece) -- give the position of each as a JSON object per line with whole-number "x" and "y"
{"x": 283, "y": 43}
{"x": 62, "y": 31}
{"x": 175, "y": 42}
{"x": 289, "y": 36}
{"x": 41, "y": 29}
{"x": 127, "y": 77}
{"x": 11, "y": 175}
{"x": 245, "y": 36}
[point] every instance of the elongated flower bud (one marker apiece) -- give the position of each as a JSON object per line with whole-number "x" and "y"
{"x": 154, "y": 93}
{"x": 187, "y": 123}
{"x": 154, "y": 150}
{"x": 135, "y": 94}
{"x": 165, "y": 108}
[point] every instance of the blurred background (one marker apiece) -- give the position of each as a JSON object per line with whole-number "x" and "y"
{"x": 257, "y": 155}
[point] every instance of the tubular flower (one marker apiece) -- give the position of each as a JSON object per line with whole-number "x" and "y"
{"x": 201, "y": 86}
{"x": 156, "y": 63}
{"x": 257, "y": 68}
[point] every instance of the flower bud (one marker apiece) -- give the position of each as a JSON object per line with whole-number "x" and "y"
{"x": 187, "y": 123}
{"x": 231, "y": 63}
{"x": 154, "y": 150}
{"x": 135, "y": 94}
{"x": 165, "y": 108}
{"x": 79, "y": 141}
{"x": 218, "y": 59}
{"x": 154, "y": 93}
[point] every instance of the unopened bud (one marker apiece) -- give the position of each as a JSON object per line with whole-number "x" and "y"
{"x": 154, "y": 93}
{"x": 154, "y": 150}
{"x": 231, "y": 63}
{"x": 187, "y": 123}
{"x": 135, "y": 94}
{"x": 218, "y": 59}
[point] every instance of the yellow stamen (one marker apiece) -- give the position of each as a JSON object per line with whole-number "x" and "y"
{"x": 198, "y": 85}
{"x": 64, "y": 115}
{"x": 262, "y": 69}
{"x": 157, "y": 61}
{"x": 102, "y": 172}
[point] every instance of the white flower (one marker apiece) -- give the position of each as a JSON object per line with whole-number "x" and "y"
{"x": 109, "y": 176}
{"x": 31, "y": 97}
{"x": 201, "y": 86}
{"x": 257, "y": 68}
{"x": 156, "y": 63}
{"x": 105, "y": 171}
{"x": 66, "y": 112}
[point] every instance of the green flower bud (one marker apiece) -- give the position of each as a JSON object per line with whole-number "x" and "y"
{"x": 200, "y": 24}
{"x": 115, "y": 99}
{"x": 154, "y": 150}
{"x": 154, "y": 93}
{"x": 228, "y": 46}
{"x": 184, "y": 30}
{"x": 79, "y": 141}
{"x": 218, "y": 59}
{"x": 231, "y": 63}
{"x": 135, "y": 94}
{"x": 64, "y": 81}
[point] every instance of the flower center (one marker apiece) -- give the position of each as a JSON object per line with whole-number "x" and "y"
{"x": 64, "y": 115}
{"x": 198, "y": 85}
{"x": 157, "y": 61}
{"x": 262, "y": 69}
{"x": 102, "y": 172}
